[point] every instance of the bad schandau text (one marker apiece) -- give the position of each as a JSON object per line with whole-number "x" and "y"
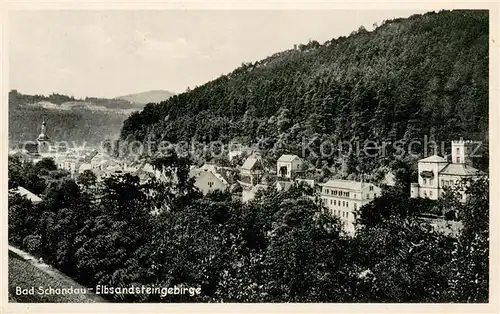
{"x": 109, "y": 290}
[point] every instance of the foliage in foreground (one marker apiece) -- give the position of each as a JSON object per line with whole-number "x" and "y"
{"x": 278, "y": 248}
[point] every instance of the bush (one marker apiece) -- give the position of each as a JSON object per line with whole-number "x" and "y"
{"x": 32, "y": 244}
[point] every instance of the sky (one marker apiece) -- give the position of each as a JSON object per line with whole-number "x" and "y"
{"x": 114, "y": 53}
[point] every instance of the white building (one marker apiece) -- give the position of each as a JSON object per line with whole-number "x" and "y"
{"x": 435, "y": 173}
{"x": 69, "y": 162}
{"x": 344, "y": 198}
{"x": 252, "y": 170}
{"x": 287, "y": 165}
{"x": 209, "y": 179}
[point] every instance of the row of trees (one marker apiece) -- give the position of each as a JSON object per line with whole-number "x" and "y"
{"x": 280, "y": 247}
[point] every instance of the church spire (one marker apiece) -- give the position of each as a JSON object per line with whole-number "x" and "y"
{"x": 43, "y": 135}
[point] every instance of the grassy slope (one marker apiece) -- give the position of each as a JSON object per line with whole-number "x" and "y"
{"x": 23, "y": 274}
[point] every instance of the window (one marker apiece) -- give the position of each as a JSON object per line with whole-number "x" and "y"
{"x": 343, "y": 203}
{"x": 346, "y": 204}
{"x": 430, "y": 193}
{"x": 425, "y": 193}
{"x": 330, "y": 202}
{"x": 368, "y": 195}
{"x": 355, "y": 206}
{"x": 210, "y": 184}
{"x": 374, "y": 195}
{"x": 371, "y": 187}
{"x": 458, "y": 159}
{"x": 334, "y": 202}
{"x": 425, "y": 181}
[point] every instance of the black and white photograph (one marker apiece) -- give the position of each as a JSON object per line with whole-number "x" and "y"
{"x": 248, "y": 156}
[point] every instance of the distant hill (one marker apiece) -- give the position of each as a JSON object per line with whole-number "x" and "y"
{"x": 89, "y": 120}
{"x": 153, "y": 96}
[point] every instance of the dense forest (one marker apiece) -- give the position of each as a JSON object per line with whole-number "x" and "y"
{"x": 68, "y": 119}
{"x": 409, "y": 78}
{"x": 280, "y": 247}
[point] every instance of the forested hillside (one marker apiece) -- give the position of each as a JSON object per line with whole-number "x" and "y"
{"x": 91, "y": 120}
{"x": 425, "y": 75}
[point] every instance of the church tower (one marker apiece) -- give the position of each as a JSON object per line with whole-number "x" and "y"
{"x": 462, "y": 151}
{"x": 43, "y": 140}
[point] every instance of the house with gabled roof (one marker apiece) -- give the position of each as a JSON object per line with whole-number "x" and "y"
{"x": 436, "y": 174}
{"x": 252, "y": 169}
{"x": 209, "y": 178}
{"x": 287, "y": 165}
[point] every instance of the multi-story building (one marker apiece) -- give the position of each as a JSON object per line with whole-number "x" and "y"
{"x": 435, "y": 173}
{"x": 344, "y": 198}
